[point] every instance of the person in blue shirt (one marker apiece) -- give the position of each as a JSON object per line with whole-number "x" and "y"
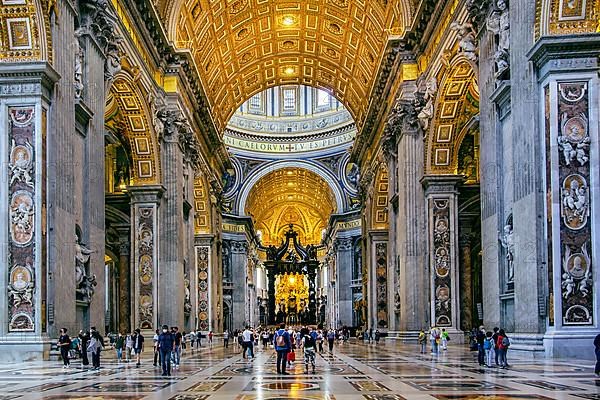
{"x": 283, "y": 345}
{"x": 165, "y": 346}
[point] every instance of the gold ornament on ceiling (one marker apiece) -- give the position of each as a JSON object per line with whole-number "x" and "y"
{"x": 243, "y": 47}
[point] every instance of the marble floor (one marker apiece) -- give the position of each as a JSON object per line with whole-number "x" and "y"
{"x": 354, "y": 371}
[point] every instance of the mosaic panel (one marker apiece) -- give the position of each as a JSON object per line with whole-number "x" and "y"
{"x": 145, "y": 243}
{"x": 22, "y": 209}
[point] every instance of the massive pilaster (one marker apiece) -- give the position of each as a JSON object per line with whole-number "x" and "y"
{"x": 145, "y": 271}
{"x": 239, "y": 260}
{"x": 442, "y": 216}
{"x": 343, "y": 255}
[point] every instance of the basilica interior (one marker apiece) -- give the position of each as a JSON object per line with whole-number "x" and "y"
{"x": 386, "y": 164}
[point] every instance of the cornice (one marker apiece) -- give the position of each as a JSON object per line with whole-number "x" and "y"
{"x": 560, "y": 47}
{"x": 270, "y": 138}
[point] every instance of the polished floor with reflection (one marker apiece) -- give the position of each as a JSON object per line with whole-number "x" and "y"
{"x": 354, "y": 371}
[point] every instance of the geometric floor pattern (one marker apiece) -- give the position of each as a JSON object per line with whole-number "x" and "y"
{"x": 387, "y": 371}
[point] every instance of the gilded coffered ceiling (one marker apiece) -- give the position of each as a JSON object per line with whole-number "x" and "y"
{"x": 291, "y": 196}
{"x": 242, "y": 47}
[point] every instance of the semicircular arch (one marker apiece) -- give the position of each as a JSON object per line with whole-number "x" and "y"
{"x": 131, "y": 118}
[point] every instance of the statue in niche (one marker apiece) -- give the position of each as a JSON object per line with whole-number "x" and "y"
{"x": 427, "y": 111}
{"x": 84, "y": 283}
{"x": 507, "y": 241}
{"x": 397, "y": 301}
{"x": 467, "y": 43}
{"x": 187, "y": 304}
{"x": 78, "y": 74}
{"x": 499, "y": 24}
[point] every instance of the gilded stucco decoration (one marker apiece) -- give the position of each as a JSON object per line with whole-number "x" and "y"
{"x": 25, "y": 31}
{"x": 202, "y": 221}
{"x": 379, "y": 218}
{"x": 242, "y": 47}
{"x": 125, "y": 114}
{"x": 291, "y": 196}
{"x": 566, "y": 17}
{"x": 457, "y": 103}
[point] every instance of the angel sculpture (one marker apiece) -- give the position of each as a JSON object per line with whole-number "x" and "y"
{"x": 499, "y": 24}
{"x": 467, "y": 40}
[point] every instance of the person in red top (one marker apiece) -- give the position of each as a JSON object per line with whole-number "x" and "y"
{"x": 502, "y": 344}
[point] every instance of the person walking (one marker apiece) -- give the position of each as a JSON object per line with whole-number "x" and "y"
{"x": 331, "y": 339}
{"x": 210, "y": 338}
{"x": 119, "y": 346}
{"x": 377, "y": 336}
{"x": 308, "y": 344}
{"x": 95, "y": 346}
{"x": 597, "y": 351}
{"x": 226, "y": 339}
{"x": 138, "y": 346}
{"x": 265, "y": 339}
{"x": 64, "y": 344}
{"x": 503, "y": 343}
{"x": 422, "y": 341}
{"x": 320, "y": 341}
{"x": 166, "y": 341}
{"x": 283, "y": 345}
{"x": 444, "y": 338}
{"x": 495, "y": 340}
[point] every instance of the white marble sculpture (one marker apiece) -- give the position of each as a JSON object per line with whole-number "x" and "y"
{"x": 507, "y": 240}
{"x": 467, "y": 41}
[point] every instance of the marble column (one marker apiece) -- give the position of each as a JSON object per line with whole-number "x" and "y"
{"x": 25, "y": 93}
{"x": 344, "y": 260}
{"x": 442, "y": 216}
{"x": 145, "y": 268}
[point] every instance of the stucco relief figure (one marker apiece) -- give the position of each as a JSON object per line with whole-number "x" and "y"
{"x": 427, "y": 111}
{"x": 575, "y": 201}
{"x": 507, "y": 240}
{"x": 21, "y": 165}
{"x": 22, "y": 218}
{"x": 574, "y": 142}
{"x": 145, "y": 237}
{"x": 576, "y": 272}
{"x": 499, "y": 24}
{"x": 467, "y": 43}
{"x": 21, "y": 288}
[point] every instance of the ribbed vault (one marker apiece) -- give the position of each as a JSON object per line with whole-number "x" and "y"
{"x": 242, "y": 47}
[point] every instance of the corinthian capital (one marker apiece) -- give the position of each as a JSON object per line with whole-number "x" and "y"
{"x": 404, "y": 117}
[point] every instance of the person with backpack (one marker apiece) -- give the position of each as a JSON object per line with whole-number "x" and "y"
{"x": 489, "y": 348}
{"x": 309, "y": 344}
{"x": 434, "y": 338}
{"x": 422, "y": 340}
{"x": 95, "y": 347}
{"x": 64, "y": 344}
{"x": 502, "y": 343}
{"x": 283, "y": 345}
{"x": 331, "y": 339}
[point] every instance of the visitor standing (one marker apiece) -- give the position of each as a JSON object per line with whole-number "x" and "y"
{"x": 128, "y": 347}
{"x": 177, "y": 346}
{"x": 226, "y": 338}
{"x": 377, "y": 336}
{"x": 84, "y": 339}
{"x": 444, "y": 338}
{"x": 480, "y": 338}
{"x": 138, "y": 346}
{"x": 265, "y": 339}
{"x": 489, "y": 348}
{"x": 503, "y": 343}
{"x": 95, "y": 347}
{"x": 119, "y": 346}
{"x": 210, "y": 338}
{"x": 165, "y": 346}
{"x": 283, "y": 345}
{"x": 248, "y": 343}
{"x": 320, "y": 341}
{"x": 422, "y": 340}
{"x": 331, "y": 339}
{"x": 434, "y": 338}
{"x": 495, "y": 339}
{"x": 155, "y": 347}
{"x": 64, "y": 344}
{"x": 597, "y": 350}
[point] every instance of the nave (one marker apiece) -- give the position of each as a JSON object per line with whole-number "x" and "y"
{"x": 354, "y": 371}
